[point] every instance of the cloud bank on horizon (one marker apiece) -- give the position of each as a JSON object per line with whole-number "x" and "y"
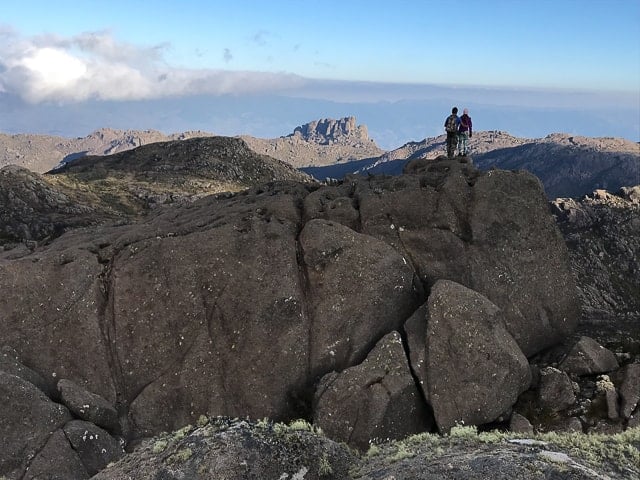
{"x": 96, "y": 66}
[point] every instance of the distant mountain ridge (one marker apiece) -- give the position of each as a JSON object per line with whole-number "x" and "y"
{"x": 571, "y": 166}
{"x": 568, "y": 165}
{"x": 320, "y": 142}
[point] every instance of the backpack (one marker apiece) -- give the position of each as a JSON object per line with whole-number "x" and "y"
{"x": 450, "y": 125}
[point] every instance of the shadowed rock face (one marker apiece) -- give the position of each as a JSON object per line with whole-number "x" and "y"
{"x": 238, "y": 305}
{"x": 31, "y": 209}
{"x": 486, "y": 371}
{"x": 602, "y": 231}
{"x": 33, "y": 418}
{"x": 372, "y": 400}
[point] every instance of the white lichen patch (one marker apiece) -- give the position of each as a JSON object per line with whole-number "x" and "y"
{"x": 604, "y": 384}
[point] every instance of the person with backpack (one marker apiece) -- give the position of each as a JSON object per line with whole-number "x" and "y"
{"x": 465, "y": 131}
{"x": 451, "y": 126}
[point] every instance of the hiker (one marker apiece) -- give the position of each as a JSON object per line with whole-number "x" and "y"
{"x": 451, "y": 126}
{"x": 465, "y": 131}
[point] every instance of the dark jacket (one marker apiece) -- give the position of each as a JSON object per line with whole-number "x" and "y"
{"x": 465, "y": 124}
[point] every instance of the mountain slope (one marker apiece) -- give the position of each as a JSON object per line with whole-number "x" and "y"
{"x": 94, "y": 189}
{"x": 568, "y": 166}
{"x": 168, "y": 171}
{"x": 41, "y": 153}
{"x": 571, "y": 166}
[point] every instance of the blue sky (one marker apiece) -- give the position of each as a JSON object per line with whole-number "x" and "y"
{"x": 518, "y": 63}
{"x": 566, "y": 44}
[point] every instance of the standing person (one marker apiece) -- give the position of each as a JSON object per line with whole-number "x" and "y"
{"x": 451, "y": 126}
{"x": 465, "y": 131}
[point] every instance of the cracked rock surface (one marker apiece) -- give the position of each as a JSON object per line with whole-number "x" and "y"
{"x": 238, "y": 305}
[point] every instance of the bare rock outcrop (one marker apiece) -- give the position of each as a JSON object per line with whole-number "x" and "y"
{"x": 588, "y": 357}
{"x": 320, "y": 142}
{"x": 93, "y": 445}
{"x": 96, "y": 189}
{"x": 57, "y": 461}
{"x": 88, "y": 406}
{"x": 342, "y": 266}
{"x": 328, "y": 131}
{"x": 33, "y": 210}
{"x": 233, "y": 449}
{"x": 237, "y": 305}
{"x": 556, "y": 390}
{"x": 628, "y": 382}
{"x": 40, "y": 437}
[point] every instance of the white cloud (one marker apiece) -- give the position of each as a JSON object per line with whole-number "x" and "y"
{"x": 97, "y": 66}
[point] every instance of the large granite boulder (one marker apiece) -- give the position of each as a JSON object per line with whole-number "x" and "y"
{"x": 628, "y": 383}
{"x": 555, "y": 391}
{"x": 358, "y": 286}
{"x": 470, "y": 367}
{"x": 588, "y": 357}
{"x": 40, "y": 438}
{"x": 88, "y": 406}
{"x": 239, "y": 304}
{"x": 93, "y": 445}
{"x": 372, "y": 401}
{"x": 491, "y": 232}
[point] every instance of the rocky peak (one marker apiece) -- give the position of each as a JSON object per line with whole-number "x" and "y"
{"x": 318, "y": 143}
{"x": 327, "y": 131}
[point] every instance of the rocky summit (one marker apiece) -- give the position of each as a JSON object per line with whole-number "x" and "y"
{"x": 375, "y": 309}
{"x": 321, "y": 142}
